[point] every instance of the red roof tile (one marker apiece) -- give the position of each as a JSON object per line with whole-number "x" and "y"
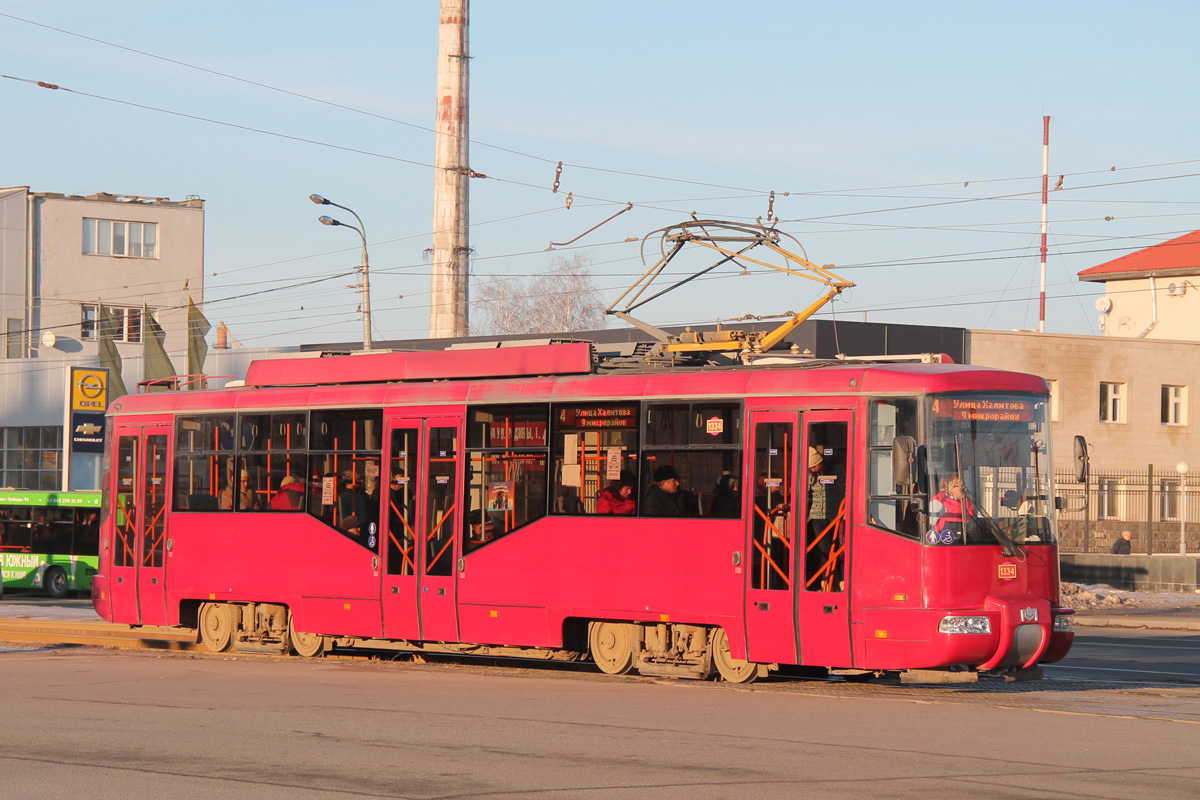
{"x": 1177, "y": 256}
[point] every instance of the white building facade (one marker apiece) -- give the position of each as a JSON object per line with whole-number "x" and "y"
{"x": 61, "y": 258}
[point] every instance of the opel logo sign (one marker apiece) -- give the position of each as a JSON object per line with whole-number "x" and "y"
{"x": 90, "y": 386}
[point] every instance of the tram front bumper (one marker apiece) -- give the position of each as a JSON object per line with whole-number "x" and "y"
{"x": 100, "y": 598}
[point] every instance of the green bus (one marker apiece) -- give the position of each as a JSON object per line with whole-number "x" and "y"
{"x": 49, "y": 540}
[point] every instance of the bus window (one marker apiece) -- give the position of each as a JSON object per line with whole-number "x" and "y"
{"x": 401, "y": 502}
{"x": 204, "y": 447}
{"x": 890, "y": 505}
{"x": 506, "y": 471}
{"x": 273, "y": 448}
{"x": 345, "y": 454}
{"x": 441, "y": 500}
{"x": 771, "y": 561}
{"x": 702, "y": 442}
{"x": 825, "y": 502}
{"x": 595, "y": 446}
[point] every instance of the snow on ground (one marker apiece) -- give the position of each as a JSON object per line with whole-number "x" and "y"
{"x": 1077, "y": 595}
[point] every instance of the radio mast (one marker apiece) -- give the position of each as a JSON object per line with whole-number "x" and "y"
{"x": 448, "y": 300}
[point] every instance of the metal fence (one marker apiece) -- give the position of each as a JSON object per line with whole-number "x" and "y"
{"x": 1158, "y": 506}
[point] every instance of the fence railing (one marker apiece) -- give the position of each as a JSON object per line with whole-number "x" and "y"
{"x": 1158, "y": 506}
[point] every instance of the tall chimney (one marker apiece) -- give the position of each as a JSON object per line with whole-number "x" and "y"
{"x": 448, "y": 300}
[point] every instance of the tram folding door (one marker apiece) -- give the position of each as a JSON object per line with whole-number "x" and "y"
{"x": 771, "y": 549}
{"x": 823, "y": 608}
{"x": 421, "y": 529}
{"x": 137, "y": 553}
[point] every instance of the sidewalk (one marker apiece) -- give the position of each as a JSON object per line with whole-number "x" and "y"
{"x": 1179, "y": 618}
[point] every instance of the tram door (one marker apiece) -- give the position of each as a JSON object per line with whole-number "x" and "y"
{"x": 138, "y": 549}
{"x": 421, "y": 530}
{"x": 770, "y": 615}
{"x": 823, "y": 611}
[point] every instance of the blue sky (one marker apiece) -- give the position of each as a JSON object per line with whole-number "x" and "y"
{"x": 871, "y": 116}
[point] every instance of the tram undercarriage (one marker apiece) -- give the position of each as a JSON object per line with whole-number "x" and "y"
{"x": 657, "y": 649}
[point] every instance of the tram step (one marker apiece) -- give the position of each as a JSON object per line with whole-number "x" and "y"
{"x": 938, "y": 676}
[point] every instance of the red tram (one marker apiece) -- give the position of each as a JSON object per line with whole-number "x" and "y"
{"x": 449, "y": 502}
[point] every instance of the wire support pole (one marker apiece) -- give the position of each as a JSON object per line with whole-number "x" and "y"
{"x": 1045, "y": 196}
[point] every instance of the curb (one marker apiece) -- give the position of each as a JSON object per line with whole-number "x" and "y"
{"x": 1136, "y": 622}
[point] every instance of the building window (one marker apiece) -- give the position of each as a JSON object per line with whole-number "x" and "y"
{"x": 1168, "y": 501}
{"x": 106, "y": 237}
{"x": 1112, "y": 402}
{"x": 31, "y": 458}
{"x": 1174, "y": 405}
{"x": 14, "y": 338}
{"x": 127, "y": 323}
{"x": 1053, "y": 386}
{"x": 1109, "y": 499}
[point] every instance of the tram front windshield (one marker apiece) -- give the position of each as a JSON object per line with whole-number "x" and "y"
{"x": 989, "y": 468}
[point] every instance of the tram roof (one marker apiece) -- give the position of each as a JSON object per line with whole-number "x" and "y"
{"x": 560, "y": 373}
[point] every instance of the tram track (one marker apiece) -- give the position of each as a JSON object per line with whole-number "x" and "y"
{"x": 1165, "y": 701}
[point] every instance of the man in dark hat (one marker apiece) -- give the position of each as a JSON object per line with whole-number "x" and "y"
{"x": 665, "y": 498}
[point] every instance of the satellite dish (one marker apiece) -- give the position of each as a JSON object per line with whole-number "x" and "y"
{"x": 49, "y": 339}
{"x": 1103, "y": 305}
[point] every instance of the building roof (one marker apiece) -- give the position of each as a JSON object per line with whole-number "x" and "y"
{"x": 1179, "y": 256}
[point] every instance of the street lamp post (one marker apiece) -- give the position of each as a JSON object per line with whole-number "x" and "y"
{"x": 1182, "y": 468}
{"x": 366, "y": 284}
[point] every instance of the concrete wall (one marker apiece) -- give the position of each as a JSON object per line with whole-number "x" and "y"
{"x": 1079, "y": 364}
{"x": 1141, "y": 573}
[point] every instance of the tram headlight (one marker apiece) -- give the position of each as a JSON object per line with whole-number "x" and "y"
{"x": 965, "y": 625}
{"x": 1063, "y": 623}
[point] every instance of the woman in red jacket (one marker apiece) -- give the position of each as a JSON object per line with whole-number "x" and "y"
{"x": 616, "y": 499}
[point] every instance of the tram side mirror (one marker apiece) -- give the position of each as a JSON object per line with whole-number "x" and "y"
{"x": 904, "y": 450}
{"x": 1081, "y": 459}
{"x": 1059, "y": 504}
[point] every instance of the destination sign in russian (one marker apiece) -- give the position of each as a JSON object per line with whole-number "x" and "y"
{"x": 593, "y": 418}
{"x": 981, "y": 410}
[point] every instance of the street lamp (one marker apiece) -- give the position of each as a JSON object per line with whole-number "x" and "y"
{"x": 366, "y": 284}
{"x": 1182, "y": 469}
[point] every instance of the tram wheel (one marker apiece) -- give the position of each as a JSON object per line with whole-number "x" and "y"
{"x": 732, "y": 670}
{"x": 611, "y": 646}
{"x": 307, "y": 645}
{"x": 55, "y": 581}
{"x": 216, "y": 627}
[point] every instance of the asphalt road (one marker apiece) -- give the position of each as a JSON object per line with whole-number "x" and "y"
{"x": 106, "y": 724}
{"x": 1131, "y": 655}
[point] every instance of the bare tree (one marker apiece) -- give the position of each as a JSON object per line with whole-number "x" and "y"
{"x": 560, "y": 300}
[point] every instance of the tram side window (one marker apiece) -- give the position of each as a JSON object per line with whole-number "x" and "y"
{"x": 890, "y": 506}
{"x": 702, "y": 443}
{"x": 506, "y": 471}
{"x": 273, "y": 449}
{"x": 345, "y": 452}
{"x": 204, "y": 460}
{"x": 595, "y": 452}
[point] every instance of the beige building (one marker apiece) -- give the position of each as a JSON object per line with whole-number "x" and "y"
{"x": 1153, "y": 293}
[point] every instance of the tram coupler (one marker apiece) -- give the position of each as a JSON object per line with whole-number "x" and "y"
{"x": 1019, "y": 674}
{"x": 939, "y": 676}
